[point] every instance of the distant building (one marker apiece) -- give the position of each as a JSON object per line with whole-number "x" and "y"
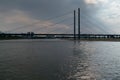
{"x": 30, "y": 35}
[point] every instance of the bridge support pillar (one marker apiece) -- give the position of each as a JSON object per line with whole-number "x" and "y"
{"x": 78, "y": 23}
{"x": 74, "y": 25}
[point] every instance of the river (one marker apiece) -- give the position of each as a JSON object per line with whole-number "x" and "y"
{"x": 59, "y": 60}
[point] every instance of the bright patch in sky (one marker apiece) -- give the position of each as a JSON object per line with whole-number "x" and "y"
{"x": 95, "y": 1}
{"x": 91, "y": 1}
{"x": 110, "y": 14}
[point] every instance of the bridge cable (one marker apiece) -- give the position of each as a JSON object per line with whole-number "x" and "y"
{"x": 94, "y": 23}
{"x": 51, "y": 18}
{"x": 59, "y": 29}
{"x": 53, "y": 24}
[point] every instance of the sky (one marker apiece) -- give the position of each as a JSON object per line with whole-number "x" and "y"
{"x": 56, "y": 16}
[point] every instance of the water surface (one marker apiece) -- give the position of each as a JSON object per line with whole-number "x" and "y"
{"x": 59, "y": 60}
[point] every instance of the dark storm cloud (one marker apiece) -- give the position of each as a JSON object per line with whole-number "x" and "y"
{"x": 42, "y": 8}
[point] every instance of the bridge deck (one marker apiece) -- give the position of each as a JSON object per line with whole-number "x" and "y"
{"x": 82, "y": 36}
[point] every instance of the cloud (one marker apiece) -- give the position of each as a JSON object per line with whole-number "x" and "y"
{"x": 109, "y": 14}
{"x": 96, "y": 1}
{"x": 91, "y": 1}
{"x": 43, "y": 8}
{"x": 17, "y": 13}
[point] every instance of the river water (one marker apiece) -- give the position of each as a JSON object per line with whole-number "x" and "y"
{"x": 59, "y": 60}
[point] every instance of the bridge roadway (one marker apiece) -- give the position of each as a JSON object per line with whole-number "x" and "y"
{"x": 84, "y": 36}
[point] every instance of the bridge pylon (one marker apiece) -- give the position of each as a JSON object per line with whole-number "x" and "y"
{"x": 78, "y": 23}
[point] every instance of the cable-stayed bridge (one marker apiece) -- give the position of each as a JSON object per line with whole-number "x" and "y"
{"x": 64, "y": 36}
{"x": 73, "y": 33}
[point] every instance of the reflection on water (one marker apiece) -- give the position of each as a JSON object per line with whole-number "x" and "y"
{"x": 59, "y": 60}
{"x": 80, "y": 59}
{"x": 96, "y": 61}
